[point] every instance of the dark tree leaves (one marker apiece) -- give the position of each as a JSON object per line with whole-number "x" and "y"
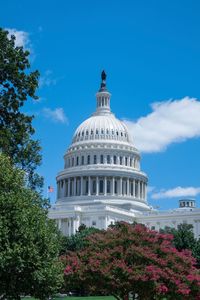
{"x": 17, "y": 85}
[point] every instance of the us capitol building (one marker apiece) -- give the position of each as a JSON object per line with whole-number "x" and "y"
{"x": 102, "y": 182}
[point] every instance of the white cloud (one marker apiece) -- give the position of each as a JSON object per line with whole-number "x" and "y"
{"x": 150, "y": 189}
{"x": 46, "y": 79}
{"x": 169, "y": 122}
{"x": 22, "y": 37}
{"x": 177, "y": 192}
{"x": 56, "y": 115}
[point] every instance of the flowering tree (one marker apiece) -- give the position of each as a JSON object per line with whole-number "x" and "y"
{"x": 133, "y": 259}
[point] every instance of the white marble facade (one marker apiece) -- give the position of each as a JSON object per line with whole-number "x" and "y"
{"x": 102, "y": 182}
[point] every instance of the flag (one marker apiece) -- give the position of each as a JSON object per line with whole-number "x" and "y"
{"x": 50, "y": 189}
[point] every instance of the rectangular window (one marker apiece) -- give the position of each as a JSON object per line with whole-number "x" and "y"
{"x": 120, "y": 160}
{"x": 131, "y": 188}
{"x": 115, "y": 186}
{"x": 101, "y": 159}
{"x": 88, "y": 159}
{"x": 108, "y": 159}
{"x": 108, "y": 186}
{"x": 82, "y": 160}
{"x": 136, "y": 189}
{"x": 115, "y": 160}
{"x": 95, "y": 159}
{"x": 86, "y": 187}
{"x": 126, "y": 161}
{"x": 94, "y": 187}
{"x": 77, "y": 161}
{"x": 72, "y": 161}
{"x": 101, "y": 186}
{"x": 131, "y": 162}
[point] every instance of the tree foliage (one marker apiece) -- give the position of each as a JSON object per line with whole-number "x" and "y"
{"x": 29, "y": 240}
{"x": 184, "y": 239}
{"x": 78, "y": 241}
{"x": 17, "y": 85}
{"x": 133, "y": 259}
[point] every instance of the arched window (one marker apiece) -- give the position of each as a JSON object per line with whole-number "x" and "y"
{"x": 108, "y": 159}
{"x": 120, "y": 160}
{"x": 72, "y": 161}
{"x": 88, "y": 159}
{"x": 95, "y": 159}
{"x": 102, "y": 132}
{"x": 101, "y": 159}
{"x": 97, "y": 131}
{"x": 82, "y": 133}
{"x": 77, "y": 161}
{"x": 126, "y": 161}
{"x": 87, "y": 132}
{"x": 114, "y": 159}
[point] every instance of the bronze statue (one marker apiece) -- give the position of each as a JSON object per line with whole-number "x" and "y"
{"x": 103, "y": 76}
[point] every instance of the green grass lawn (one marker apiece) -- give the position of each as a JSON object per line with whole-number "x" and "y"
{"x": 78, "y": 298}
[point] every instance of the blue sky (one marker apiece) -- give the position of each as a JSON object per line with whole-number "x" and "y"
{"x": 151, "y": 53}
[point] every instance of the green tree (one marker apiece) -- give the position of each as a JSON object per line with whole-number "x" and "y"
{"x": 17, "y": 85}
{"x": 77, "y": 241}
{"x": 29, "y": 240}
{"x": 184, "y": 239}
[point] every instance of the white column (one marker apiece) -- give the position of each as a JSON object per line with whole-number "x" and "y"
{"x": 81, "y": 185}
{"x": 133, "y": 188}
{"x": 128, "y": 189}
{"x": 74, "y": 186}
{"x": 70, "y": 227}
{"x": 143, "y": 194}
{"x": 118, "y": 160}
{"x": 59, "y": 224}
{"x": 138, "y": 189}
{"x": 113, "y": 186}
{"x": 120, "y": 186}
{"x": 73, "y": 225}
{"x": 64, "y": 186}
{"x": 111, "y": 159}
{"x": 89, "y": 186}
{"x": 105, "y": 186}
{"x": 68, "y": 187}
{"x": 145, "y": 191}
{"x": 97, "y": 186}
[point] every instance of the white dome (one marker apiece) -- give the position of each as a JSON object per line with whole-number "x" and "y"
{"x": 105, "y": 127}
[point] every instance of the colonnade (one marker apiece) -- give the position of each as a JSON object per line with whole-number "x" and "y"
{"x": 80, "y": 160}
{"x": 101, "y": 185}
{"x": 68, "y": 226}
